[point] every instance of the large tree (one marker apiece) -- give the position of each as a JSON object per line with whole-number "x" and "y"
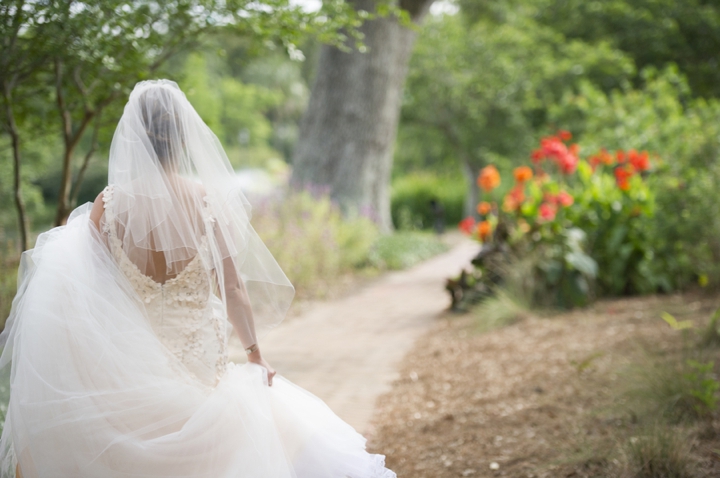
{"x": 348, "y": 132}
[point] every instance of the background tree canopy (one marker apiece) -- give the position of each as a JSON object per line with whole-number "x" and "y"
{"x": 485, "y": 82}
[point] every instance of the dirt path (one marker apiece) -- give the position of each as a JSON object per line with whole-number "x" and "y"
{"x": 347, "y": 351}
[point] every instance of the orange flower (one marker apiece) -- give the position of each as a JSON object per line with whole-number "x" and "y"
{"x": 467, "y": 225}
{"x": 484, "y": 229}
{"x": 603, "y": 157}
{"x": 565, "y": 135}
{"x": 489, "y": 178}
{"x": 514, "y": 199}
{"x": 484, "y": 208}
{"x": 522, "y": 174}
{"x": 620, "y": 155}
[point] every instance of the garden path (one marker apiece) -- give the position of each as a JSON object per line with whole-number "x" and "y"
{"x": 347, "y": 351}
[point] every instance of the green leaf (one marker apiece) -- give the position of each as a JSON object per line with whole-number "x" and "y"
{"x": 673, "y": 322}
{"x": 582, "y": 263}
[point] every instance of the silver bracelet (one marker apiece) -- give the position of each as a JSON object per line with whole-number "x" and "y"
{"x": 251, "y": 349}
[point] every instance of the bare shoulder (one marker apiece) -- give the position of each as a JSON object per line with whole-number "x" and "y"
{"x": 97, "y": 210}
{"x": 198, "y": 189}
{"x": 193, "y": 189}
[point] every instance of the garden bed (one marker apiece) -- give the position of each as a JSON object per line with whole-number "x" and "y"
{"x": 545, "y": 397}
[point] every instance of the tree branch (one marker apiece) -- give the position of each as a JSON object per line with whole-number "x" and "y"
{"x": 86, "y": 161}
{"x": 17, "y": 179}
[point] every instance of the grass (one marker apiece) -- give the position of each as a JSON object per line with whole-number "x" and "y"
{"x": 677, "y": 386}
{"x": 503, "y": 308}
{"x": 661, "y": 452}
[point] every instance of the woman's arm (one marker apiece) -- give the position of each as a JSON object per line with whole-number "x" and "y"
{"x": 97, "y": 210}
{"x": 240, "y": 314}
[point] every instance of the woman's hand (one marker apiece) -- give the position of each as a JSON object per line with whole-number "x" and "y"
{"x": 255, "y": 357}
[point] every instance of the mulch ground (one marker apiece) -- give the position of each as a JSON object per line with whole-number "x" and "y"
{"x": 539, "y": 398}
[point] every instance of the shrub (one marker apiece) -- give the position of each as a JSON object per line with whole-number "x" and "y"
{"x": 404, "y": 249}
{"x": 662, "y": 116}
{"x": 311, "y": 240}
{"x": 578, "y": 220}
{"x": 315, "y": 244}
{"x": 412, "y": 194}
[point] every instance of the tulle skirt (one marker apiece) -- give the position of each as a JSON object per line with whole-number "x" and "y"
{"x": 94, "y": 393}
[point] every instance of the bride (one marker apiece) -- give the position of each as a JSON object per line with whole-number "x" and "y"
{"x": 116, "y": 346}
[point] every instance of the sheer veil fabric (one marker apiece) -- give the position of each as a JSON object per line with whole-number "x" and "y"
{"x": 110, "y": 330}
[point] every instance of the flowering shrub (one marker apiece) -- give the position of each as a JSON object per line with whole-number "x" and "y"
{"x": 578, "y": 219}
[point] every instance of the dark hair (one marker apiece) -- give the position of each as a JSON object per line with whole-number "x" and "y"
{"x": 162, "y": 124}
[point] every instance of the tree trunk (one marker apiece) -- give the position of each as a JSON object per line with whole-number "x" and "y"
{"x": 17, "y": 179}
{"x": 348, "y": 132}
{"x": 472, "y": 197}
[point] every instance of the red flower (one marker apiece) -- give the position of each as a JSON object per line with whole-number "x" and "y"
{"x": 566, "y": 159}
{"x": 565, "y": 199}
{"x": 565, "y": 135}
{"x": 567, "y": 163}
{"x": 547, "y": 211}
{"x": 489, "y": 178}
{"x": 620, "y": 155}
{"x": 537, "y": 156}
{"x": 484, "y": 229}
{"x": 623, "y": 175}
{"x": 639, "y": 161}
{"x": 550, "y": 198}
{"x": 467, "y": 225}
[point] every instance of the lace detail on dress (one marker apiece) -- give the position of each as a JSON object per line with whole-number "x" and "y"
{"x": 179, "y": 309}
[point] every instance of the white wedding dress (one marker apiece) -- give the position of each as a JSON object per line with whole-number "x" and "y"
{"x": 116, "y": 375}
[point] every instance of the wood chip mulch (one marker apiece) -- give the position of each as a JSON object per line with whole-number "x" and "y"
{"x": 535, "y": 399}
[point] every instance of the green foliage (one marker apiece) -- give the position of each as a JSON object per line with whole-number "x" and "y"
{"x": 485, "y": 83}
{"x": 711, "y": 334}
{"x": 9, "y": 262}
{"x": 564, "y": 272}
{"x": 235, "y": 111}
{"x": 479, "y": 91}
{"x": 702, "y": 386}
{"x": 653, "y": 32}
{"x": 674, "y": 389}
{"x": 404, "y": 249}
{"x": 411, "y": 196}
{"x": 617, "y": 235}
{"x": 679, "y": 244}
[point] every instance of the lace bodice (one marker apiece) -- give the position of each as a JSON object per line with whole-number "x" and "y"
{"x": 184, "y": 313}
